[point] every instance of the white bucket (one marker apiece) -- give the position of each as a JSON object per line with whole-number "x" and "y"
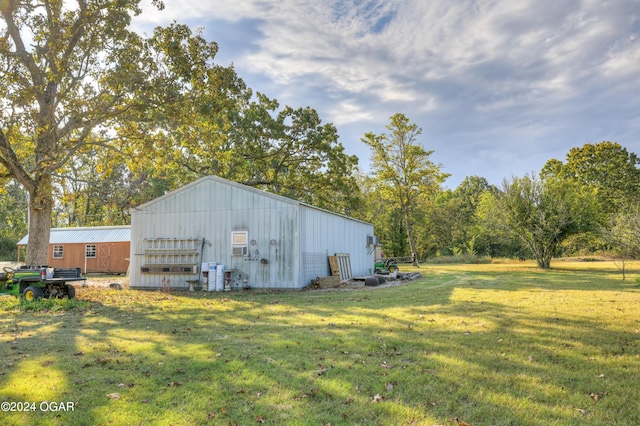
{"x": 212, "y": 276}
{"x": 220, "y": 278}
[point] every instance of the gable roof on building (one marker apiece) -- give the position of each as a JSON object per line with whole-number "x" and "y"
{"x": 239, "y": 186}
{"x": 90, "y": 234}
{"x": 215, "y": 179}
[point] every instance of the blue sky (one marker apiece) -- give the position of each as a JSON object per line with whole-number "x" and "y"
{"x": 499, "y": 86}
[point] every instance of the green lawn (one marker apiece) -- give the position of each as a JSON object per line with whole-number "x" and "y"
{"x": 498, "y": 344}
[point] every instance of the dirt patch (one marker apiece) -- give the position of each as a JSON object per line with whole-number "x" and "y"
{"x": 123, "y": 283}
{"x": 12, "y": 265}
{"x": 402, "y": 279}
{"x": 107, "y": 281}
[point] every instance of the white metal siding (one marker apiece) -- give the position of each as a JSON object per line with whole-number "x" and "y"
{"x": 212, "y": 209}
{"x": 324, "y": 234}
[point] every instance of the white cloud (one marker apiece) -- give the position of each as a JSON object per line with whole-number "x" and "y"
{"x": 348, "y": 111}
{"x": 536, "y": 70}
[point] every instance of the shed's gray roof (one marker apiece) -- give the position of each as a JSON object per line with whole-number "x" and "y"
{"x": 237, "y": 185}
{"x": 93, "y": 234}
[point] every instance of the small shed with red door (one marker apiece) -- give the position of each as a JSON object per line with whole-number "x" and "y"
{"x": 96, "y": 249}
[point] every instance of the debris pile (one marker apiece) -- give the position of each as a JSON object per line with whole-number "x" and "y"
{"x": 383, "y": 280}
{"x": 409, "y": 276}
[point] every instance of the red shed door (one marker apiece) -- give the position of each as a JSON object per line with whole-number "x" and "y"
{"x": 104, "y": 258}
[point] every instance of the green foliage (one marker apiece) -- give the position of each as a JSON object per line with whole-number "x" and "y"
{"x": 97, "y": 119}
{"x": 607, "y": 168}
{"x": 103, "y": 119}
{"x": 623, "y": 233}
{"x": 13, "y": 212}
{"x": 543, "y": 213}
{"x": 387, "y": 219}
{"x": 8, "y": 249}
{"x": 393, "y": 234}
{"x": 466, "y": 259}
{"x": 52, "y": 305}
{"x": 494, "y": 239}
{"x": 297, "y": 156}
{"x": 451, "y": 225}
{"x": 17, "y": 304}
{"x": 67, "y": 72}
{"x": 613, "y": 174}
{"x": 583, "y": 244}
{"x": 402, "y": 172}
{"x": 92, "y": 193}
{"x": 210, "y": 123}
{"x": 9, "y": 303}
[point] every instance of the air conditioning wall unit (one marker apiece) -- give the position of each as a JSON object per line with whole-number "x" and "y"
{"x": 240, "y": 251}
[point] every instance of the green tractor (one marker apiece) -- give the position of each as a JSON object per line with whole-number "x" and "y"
{"x": 36, "y": 282}
{"x": 386, "y": 265}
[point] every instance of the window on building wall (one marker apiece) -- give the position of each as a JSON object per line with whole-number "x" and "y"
{"x": 90, "y": 251}
{"x": 240, "y": 243}
{"x": 58, "y": 252}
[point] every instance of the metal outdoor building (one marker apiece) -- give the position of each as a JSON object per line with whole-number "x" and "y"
{"x": 263, "y": 240}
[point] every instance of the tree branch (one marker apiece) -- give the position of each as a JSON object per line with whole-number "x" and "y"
{"x": 10, "y": 161}
{"x": 21, "y": 51}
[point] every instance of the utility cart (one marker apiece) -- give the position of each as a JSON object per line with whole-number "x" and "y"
{"x": 36, "y": 282}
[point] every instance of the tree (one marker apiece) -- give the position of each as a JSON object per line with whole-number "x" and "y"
{"x": 13, "y": 211}
{"x": 607, "y": 167}
{"x": 544, "y": 213}
{"x": 13, "y": 218}
{"x": 452, "y": 226}
{"x": 623, "y": 233}
{"x": 91, "y": 191}
{"x": 212, "y": 124}
{"x": 66, "y": 73}
{"x": 402, "y": 170}
{"x": 463, "y": 212}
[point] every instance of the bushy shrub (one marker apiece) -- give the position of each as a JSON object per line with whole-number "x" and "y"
{"x": 8, "y": 249}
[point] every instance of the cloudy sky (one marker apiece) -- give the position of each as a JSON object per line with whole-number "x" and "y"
{"x": 498, "y": 86}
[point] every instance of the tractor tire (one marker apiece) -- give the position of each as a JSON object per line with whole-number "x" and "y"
{"x": 71, "y": 291}
{"x": 32, "y": 293}
{"x": 392, "y": 269}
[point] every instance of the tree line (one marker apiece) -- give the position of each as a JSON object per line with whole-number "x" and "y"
{"x": 97, "y": 119}
{"x": 587, "y": 204}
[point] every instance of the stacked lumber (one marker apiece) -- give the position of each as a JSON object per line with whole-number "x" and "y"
{"x": 327, "y": 282}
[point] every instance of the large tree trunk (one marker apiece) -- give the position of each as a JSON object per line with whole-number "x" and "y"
{"x": 543, "y": 257}
{"x": 544, "y": 262}
{"x": 412, "y": 244}
{"x": 40, "y": 208}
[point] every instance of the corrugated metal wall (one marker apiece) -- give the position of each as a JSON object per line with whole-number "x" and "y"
{"x": 289, "y": 246}
{"x": 212, "y": 208}
{"x": 324, "y": 234}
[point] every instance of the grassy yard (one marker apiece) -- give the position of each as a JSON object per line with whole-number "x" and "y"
{"x": 497, "y": 344}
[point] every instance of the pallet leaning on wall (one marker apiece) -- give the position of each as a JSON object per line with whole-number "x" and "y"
{"x": 341, "y": 266}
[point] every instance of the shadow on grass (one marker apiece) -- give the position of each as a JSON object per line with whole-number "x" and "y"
{"x": 486, "y": 347}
